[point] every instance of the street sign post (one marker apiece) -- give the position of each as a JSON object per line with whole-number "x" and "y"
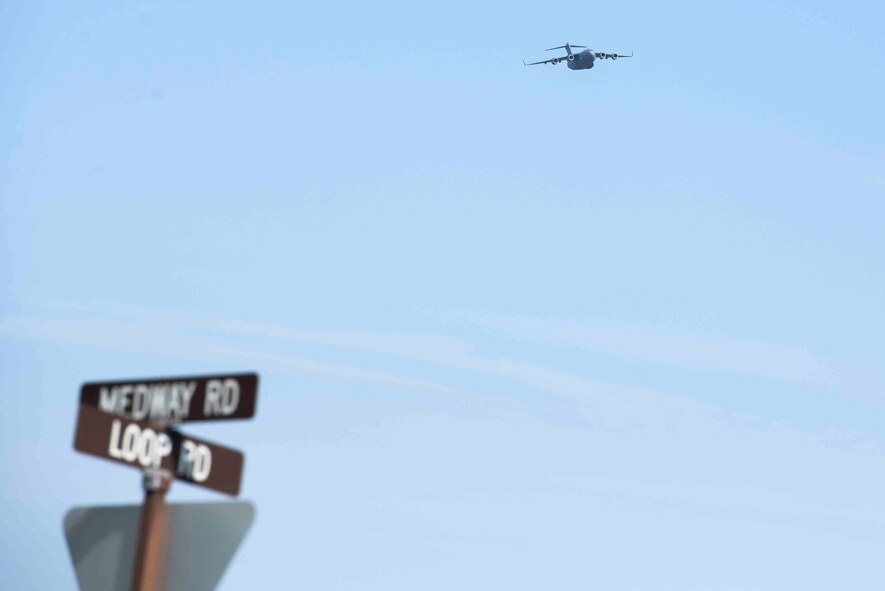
{"x": 195, "y": 398}
{"x": 129, "y": 422}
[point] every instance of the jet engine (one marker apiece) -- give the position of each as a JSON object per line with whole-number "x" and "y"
{"x": 554, "y": 61}
{"x": 571, "y": 57}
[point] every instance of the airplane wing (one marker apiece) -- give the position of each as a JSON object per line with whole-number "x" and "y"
{"x": 555, "y": 60}
{"x": 613, "y": 56}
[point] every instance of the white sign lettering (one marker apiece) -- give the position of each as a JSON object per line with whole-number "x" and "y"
{"x": 195, "y": 461}
{"x": 134, "y": 444}
{"x": 222, "y": 397}
{"x": 169, "y": 401}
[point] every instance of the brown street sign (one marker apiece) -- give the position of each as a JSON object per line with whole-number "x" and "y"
{"x": 142, "y": 445}
{"x": 196, "y": 398}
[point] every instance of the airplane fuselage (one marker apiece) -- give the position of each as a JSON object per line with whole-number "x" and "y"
{"x": 583, "y": 60}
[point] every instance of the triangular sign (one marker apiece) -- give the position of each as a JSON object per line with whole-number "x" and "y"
{"x": 201, "y": 541}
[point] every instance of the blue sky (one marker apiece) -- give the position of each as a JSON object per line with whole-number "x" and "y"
{"x": 521, "y": 327}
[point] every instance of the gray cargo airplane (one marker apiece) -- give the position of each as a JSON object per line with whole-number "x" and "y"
{"x": 583, "y": 60}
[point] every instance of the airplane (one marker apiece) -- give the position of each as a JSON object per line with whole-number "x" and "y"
{"x": 583, "y": 60}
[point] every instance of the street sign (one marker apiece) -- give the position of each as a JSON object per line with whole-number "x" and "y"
{"x": 195, "y": 398}
{"x": 144, "y": 445}
{"x": 200, "y": 542}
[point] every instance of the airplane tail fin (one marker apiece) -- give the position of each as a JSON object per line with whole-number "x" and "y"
{"x": 567, "y": 47}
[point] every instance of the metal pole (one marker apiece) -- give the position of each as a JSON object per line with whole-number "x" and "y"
{"x": 148, "y": 572}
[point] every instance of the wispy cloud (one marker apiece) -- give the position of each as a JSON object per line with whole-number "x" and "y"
{"x": 177, "y": 335}
{"x": 313, "y": 352}
{"x": 170, "y": 341}
{"x": 751, "y": 357}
